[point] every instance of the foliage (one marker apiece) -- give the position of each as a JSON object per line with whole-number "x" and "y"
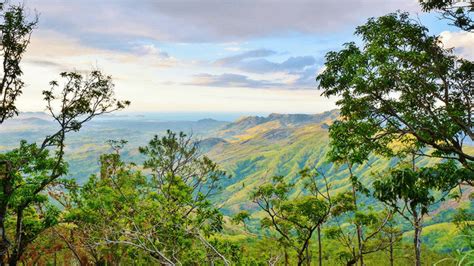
{"x": 409, "y": 191}
{"x": 16, "y": 29}
{"x": 400, "y": 93}
{"x": 30, "y": 171}
{"x": 167, "y": 214}
{"x": 295, "y": 219}
{"x": 458, "y": 12}
{"x": 401, "y": 84}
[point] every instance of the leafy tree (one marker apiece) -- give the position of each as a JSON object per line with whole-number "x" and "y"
{"x": 166, "y": 214}
{"x": 402, "y": 84}
{"x": 28, "y": 172}
{"x": 364, "y": 235}
{"x": 16, "y": 30}
{"x": 31, "y": 170}
{"x": 184, "y": 181}
{"x": 463, "y": 221}
{"x": 295, "y": 219}
{"x": 409, "y": 191}
{"x": 97, "y": 209}
{"x": 393, "y": 234}
{"x": 360, "y": 231}
{"x": 456, "y": 11}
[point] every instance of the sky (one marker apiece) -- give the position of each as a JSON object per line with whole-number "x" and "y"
{"x": 229, "y": 56}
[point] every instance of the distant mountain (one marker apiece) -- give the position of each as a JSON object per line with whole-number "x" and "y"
{"x": 206, "y": 145}
{"x": 29, "y": 115}
{"x": 254, "y": 124}
{"x": 252, "y": 150}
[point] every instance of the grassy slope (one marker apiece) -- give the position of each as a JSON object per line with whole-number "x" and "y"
{"x": 255, "y": 159}
{"x": 256, "y": 154}
{"x": 253, "y": 153}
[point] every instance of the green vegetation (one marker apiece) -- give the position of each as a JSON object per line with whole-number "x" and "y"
{"x": 354, "y": 186}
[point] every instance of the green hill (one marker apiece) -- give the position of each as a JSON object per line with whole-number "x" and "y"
{"x": 251, "y": 149}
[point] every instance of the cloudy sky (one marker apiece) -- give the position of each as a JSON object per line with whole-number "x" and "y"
{"x": 252, "y": 56}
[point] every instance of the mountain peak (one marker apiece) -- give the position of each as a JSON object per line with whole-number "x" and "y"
{"x": 284, "y": 120}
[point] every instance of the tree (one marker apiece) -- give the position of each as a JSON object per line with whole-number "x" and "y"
{"x": 103, "y": 209}
{"x": 16, "y": 30}
{"x": 458, "y": 12}
{"x": 166, "y": 214}
{"x": 184, "y": 181}
{"x": 31, "y": 170}
{"x": 402, "y": 83}
{"x": 241, "y": 218}
{"x": 348, "y": 148}
{"x": 360, "y": 231}
{"x": 409, "y": 191}
{"x": 295, "y": 219}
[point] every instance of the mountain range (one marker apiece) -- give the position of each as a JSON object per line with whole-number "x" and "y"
{"x": 251, "y": 149}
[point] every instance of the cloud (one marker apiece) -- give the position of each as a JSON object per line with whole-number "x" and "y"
{"x": 299, "y": 71}
{"x": 265, "y": 66}
{"x": 304, "y": 80}
{"x": 462, "y": 42}
{"x": 50, "y": 49}
{"x": 150, "y": 50}
{"x": 231, "y": 80}
{"x": 44, "y": 63}
{"x": 253, "y": 18}
{"x": 253, "y": 61}
{"x": 307, "y": 78}
{"x": 245, "y": 55}
{"x": 205, "y": 20}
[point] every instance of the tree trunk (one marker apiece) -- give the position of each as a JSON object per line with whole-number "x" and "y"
{"x": 320, "y": 247}
{"x": 18, "y": 247}
{"x": 308, "y": 257}
{"x": 287, "y": 260}
{"x": 359, "y": 239}
{"x": 391, "y": 252}
{"x": 359, "y": 230}
{"x": 4, "y": 243}
{"x": 417, "y": 242}
{"x": 300, "y": 260}
{"x": 6, "y": 191}
{"x": 352, "y": 262}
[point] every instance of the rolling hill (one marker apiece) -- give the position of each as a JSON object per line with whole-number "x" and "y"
{"x": 252, "y": 149}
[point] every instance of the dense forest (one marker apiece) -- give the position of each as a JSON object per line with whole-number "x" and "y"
{"x": 399, "y": 161}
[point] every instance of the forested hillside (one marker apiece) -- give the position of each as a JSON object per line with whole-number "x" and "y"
{"x": 385, "y": 179}
{"x": 252, "y": 150}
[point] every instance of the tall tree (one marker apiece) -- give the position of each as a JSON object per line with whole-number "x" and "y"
{"x": 31, "y": 170}
{"x": 360, "y": 231}
{"x": 166, "y": 214}
{"x": 185, "y": 181}
{"x": 348, "y": 148}
{"x": 294, "y": 219}
{"x": 402, "y": 83}
{"x": 16, "y": 29}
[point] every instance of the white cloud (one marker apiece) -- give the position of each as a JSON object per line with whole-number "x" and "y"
{"x": 150, "y": 50}
{"x": 462, "y": 42}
